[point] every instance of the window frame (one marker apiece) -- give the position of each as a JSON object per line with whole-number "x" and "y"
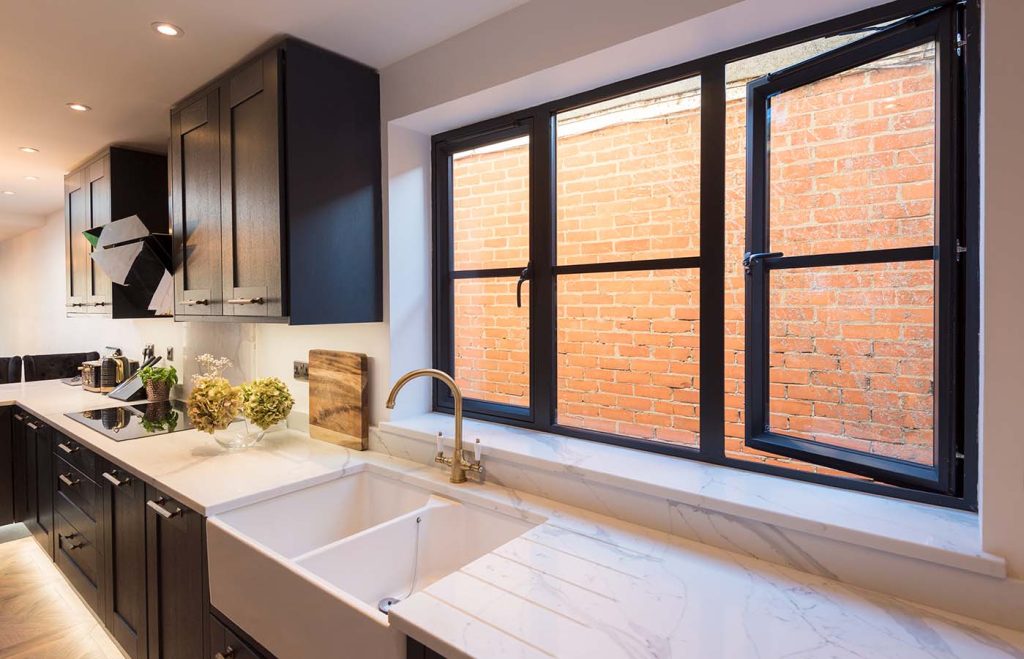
{"x": 931, "y": 27}
{"x": 539, "y": 122}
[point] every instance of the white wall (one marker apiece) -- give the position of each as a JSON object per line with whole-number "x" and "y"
{"x": 1002, "y": 445}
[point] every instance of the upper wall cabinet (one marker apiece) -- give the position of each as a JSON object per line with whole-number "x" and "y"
{"x": 276, "y": 192}
{"x": 114, "y": 184}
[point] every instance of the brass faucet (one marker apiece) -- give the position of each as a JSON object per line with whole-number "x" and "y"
{"x": 458, "y": 462}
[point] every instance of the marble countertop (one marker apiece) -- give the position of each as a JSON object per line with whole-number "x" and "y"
{"x": 188, "y": 465}
{"x": 578, "y": 584}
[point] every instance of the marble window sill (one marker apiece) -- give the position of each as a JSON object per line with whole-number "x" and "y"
{"x": 928, "y": 533}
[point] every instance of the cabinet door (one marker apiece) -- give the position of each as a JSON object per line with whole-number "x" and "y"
{"x": 251, "y": 199}
{"x": 19, "y": 455}
{"x": 40, "y": 483}
{"x": 97, "y": 195}
{"x": 175, "y": 584}
{"x": 124, "y": 555}
{"x": 6, "y": 468}
{"x": 76, "y": 247}
{"x": 195, "y": 207}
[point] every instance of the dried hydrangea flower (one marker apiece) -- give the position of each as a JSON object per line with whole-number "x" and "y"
{"x": 266, "y": 402}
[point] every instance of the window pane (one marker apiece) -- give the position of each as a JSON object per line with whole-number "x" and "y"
{"x": 852, "y": 159}
{"x": 492, "y": 346}
{"x": 628, "y": 177}
{"x": 737, "y": 75}
{"x": 491, "y": 206}
{"x": 852, "y": 357}
{"x": 628, "y": 346}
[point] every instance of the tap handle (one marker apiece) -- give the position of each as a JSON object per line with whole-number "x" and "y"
{"x": 440, "y": 443}
{"x": 477, "y": 450}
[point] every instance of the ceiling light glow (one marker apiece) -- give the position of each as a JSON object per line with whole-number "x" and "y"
{"x": 168, "y": 29}
{"x": 8, "y": 192}
{"x": 78, "y": 107}
{"x": 28, "y": 149}
{"x": 31, "y": 178}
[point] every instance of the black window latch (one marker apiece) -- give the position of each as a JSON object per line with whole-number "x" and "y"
{"x": 526, "y": 274}
{"x": 749, "y": 258}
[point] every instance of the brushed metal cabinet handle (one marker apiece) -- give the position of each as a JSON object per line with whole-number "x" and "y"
{"x": 114, "y": 480}
{"x": 157, "y": 506}
{"x": 190, "y": 303}
{"x": 32, "y": 425}
{"x": 246, "y": 300}
{"x": 67, "y": 481}
{"x": 228, "y": 653}
{"x": 67, "y": 449}
{"x": 73, "y": 545}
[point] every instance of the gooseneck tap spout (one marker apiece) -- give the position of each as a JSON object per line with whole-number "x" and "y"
{"x": 458, "y": 462}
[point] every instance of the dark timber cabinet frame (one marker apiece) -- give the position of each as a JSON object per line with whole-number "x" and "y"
{"x": 276, "y": 191}
{"x": 111, "y": 185}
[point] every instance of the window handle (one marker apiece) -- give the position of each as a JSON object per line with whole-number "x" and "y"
{"x": 748, "y": 258}
{"x": 526, "y": 274}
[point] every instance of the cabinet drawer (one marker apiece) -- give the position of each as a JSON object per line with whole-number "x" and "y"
{"x": 78, "y": 519}
{"x": 78, "y": 488}
{"x": 225, "y": 644}
{"x": 78, "y": 559}
{"x": 76, "y": 454}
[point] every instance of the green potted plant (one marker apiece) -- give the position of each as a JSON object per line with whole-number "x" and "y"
{"x": 158, "y": 381}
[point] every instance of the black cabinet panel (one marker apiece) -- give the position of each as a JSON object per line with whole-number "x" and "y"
{"x": 124, "y": 555}
{"x": 251, "y": 197}
{"x": 6, "y": 467}
{"x": 195, "y": 200}
{"x": 19, "y": 456}
{"x": 39, "y": 483}
{"x": 175, "y": 576}
{"x": 226, "y": 642}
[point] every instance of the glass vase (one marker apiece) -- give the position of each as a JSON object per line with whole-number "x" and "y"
{"x": 240, "y": 434}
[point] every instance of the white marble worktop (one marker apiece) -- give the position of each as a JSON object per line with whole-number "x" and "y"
{"x": 578, "y": 584}
{"x": 188, "y": 465}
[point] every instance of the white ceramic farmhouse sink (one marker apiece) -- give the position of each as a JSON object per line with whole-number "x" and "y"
{"x": 304, "y": 573}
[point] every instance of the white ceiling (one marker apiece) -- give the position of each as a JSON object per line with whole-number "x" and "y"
{"x": 104, "y": 54}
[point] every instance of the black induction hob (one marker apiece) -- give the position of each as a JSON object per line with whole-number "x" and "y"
{"x": 136, "y": 421}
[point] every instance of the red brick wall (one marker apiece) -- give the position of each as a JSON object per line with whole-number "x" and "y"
{"x": 850, "y": 347}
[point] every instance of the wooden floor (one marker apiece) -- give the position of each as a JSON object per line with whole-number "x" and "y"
{"x": 41, "y": 616}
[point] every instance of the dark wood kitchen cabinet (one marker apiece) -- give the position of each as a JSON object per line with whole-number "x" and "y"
{"x": 39, "y": 482}
{"x": 287, "y": 227}
{"x": 124, "y": 558}
{"x": 111, "y": 185}
{"x": 6, "y": 467}
{"x": 175, "y": 578}
{"x": 19, "y": 464}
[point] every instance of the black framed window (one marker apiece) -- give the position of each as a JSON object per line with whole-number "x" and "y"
{"x": 760, "y": 259}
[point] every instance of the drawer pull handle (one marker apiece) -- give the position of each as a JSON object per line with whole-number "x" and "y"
{"x": 114, "y": 480}
{"x": 246, "y": 300}
{"x": 67, "y": 449}
{"x": 228, "y": 653}
{"x": 19, "y": 417}
{"x": 73, "y": 545}
{"x": 191, "y": 303}
{"x": 67, "y": 481}
{"x": 32, "y": 425}
{"x": 160, "y": 510}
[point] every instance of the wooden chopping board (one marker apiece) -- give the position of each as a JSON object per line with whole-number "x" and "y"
{"x": 338, "y": 398}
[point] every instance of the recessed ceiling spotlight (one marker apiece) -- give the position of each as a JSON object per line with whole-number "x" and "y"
{"x": 78, "y": 107}
{"x": 31, "y": 178}
{"x": 168, "y": 29}
{"x": 28, "y": 149}
{"x": 8, "y": 192}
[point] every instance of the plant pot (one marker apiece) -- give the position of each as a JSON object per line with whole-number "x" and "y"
{"x": 157, "y": 391}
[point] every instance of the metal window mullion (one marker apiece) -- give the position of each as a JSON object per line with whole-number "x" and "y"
{"x": 712, "y": 262}
{"x": 543, "y": 351}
